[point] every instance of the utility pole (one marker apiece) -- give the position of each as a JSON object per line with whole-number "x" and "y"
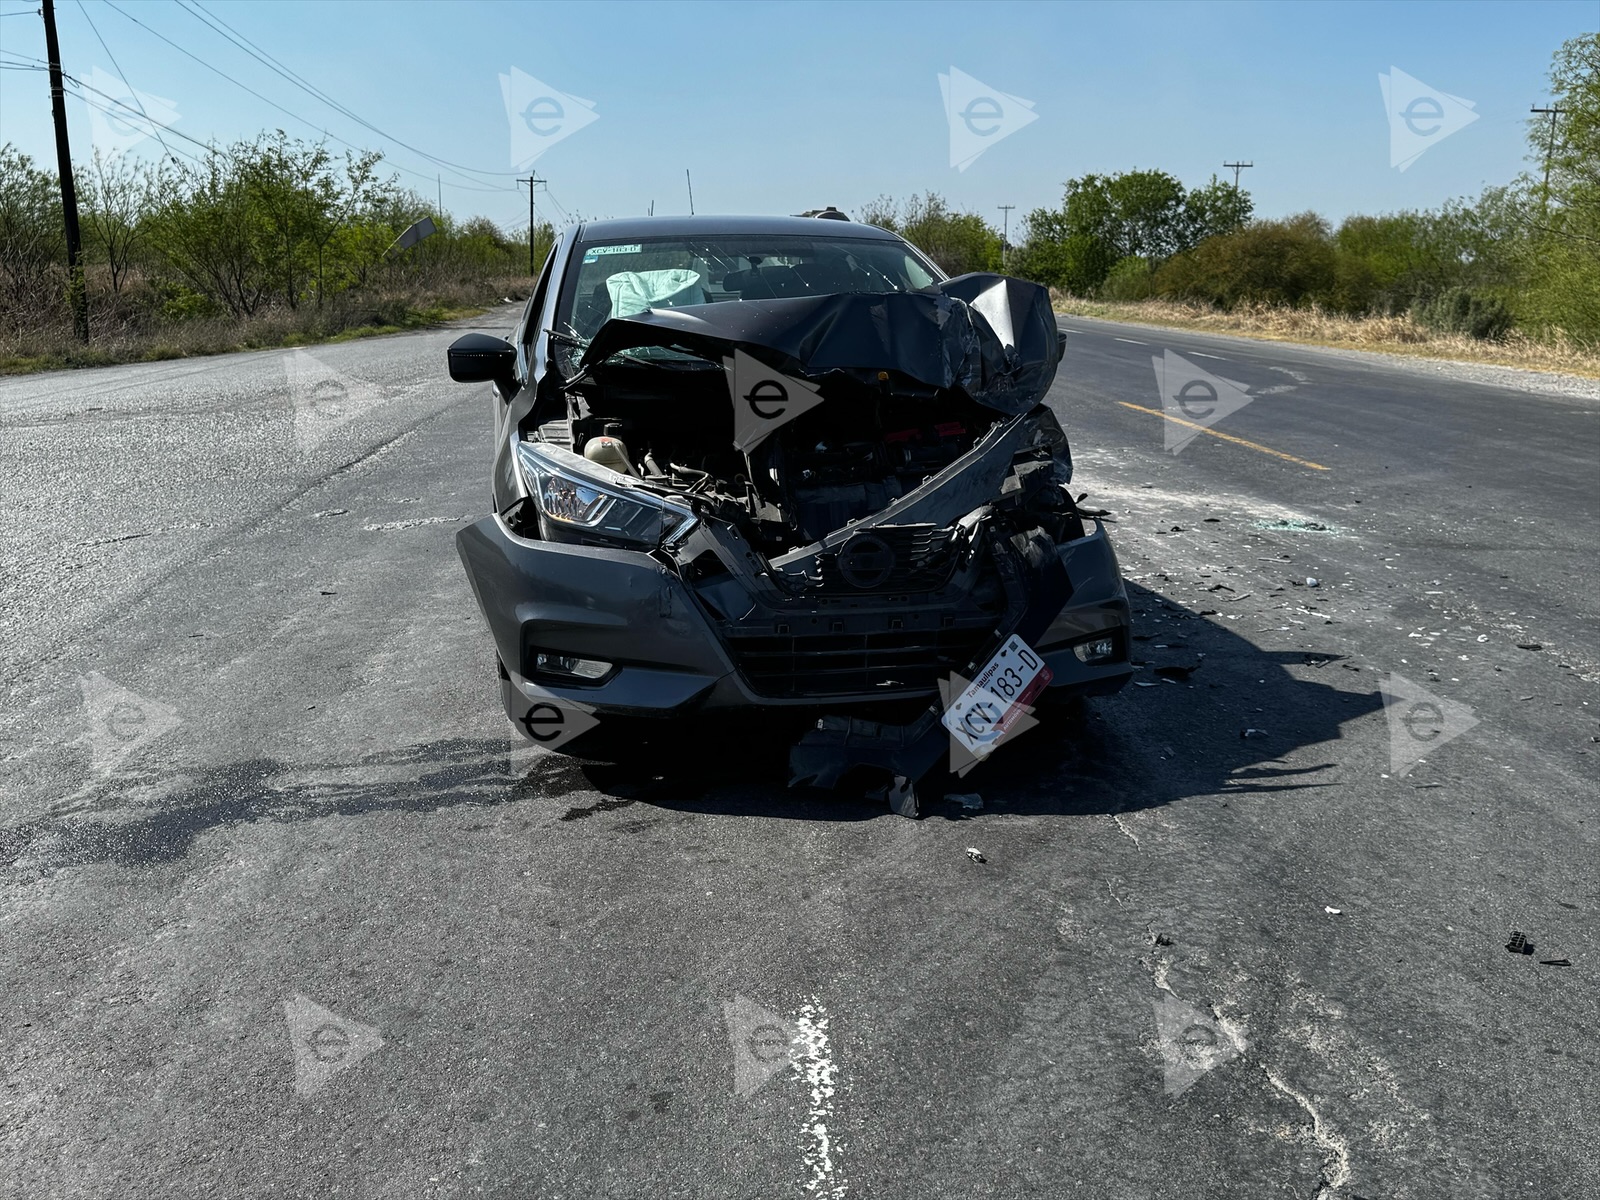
{"x": 1237, "y": 167}
{"x": 690, "y": 182}
{"x": 76, "y": 291}
{"x": 1005, "y": 233}
{"x": 1549, "y": 149}
{"x": 533, "y": 267}
{"x": 440, "y": 180}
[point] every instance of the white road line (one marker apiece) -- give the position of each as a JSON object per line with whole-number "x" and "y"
{"x": 1134, "y": 341}
{"x": 814, "y": 1064}
{"x": 1218, "y": 357}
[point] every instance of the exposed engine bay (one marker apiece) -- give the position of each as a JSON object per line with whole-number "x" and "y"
{"x": 670, "y": 426}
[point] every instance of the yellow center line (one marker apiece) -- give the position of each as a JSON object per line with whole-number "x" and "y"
{"x": 1227, "y": 437}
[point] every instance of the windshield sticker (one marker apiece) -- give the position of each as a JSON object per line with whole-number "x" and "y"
{"x": 594, "y": 252}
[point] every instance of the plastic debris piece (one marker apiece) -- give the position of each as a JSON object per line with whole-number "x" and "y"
{"x": 975, "y": 854}
{"x": 1253, "y": 733}
{"x": 1530, "y": 645}
{"x": 1144, "y": 683}
{"x": 1335, "y": 911}
{"x": 902, "y": 797}
{"x": 969, "y": 801}
{"x": 1555, "y": 962}
{"x": 1310, "y": 582}
{"x": 1519, "y": 943}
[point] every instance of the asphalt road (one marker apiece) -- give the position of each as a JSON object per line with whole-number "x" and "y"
{"x": 286, "y": 911}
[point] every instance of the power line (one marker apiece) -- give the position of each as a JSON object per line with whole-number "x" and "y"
{"x": 118, "y": 68}
{"x": 212, "y": 22}
{"x": 217, "y": 71}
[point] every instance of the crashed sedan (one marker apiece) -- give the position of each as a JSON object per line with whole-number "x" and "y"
{"x": 784, "y": 463}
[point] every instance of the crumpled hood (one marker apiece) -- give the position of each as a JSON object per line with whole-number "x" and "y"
{"x": 991, "y": 336}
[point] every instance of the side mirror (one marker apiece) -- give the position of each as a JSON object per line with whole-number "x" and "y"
{"x": 479, "y": 358}
{"x": 1061, "y": 344}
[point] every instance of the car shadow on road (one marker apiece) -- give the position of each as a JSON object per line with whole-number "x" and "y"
{"x": 1217, "y": 716}
{"x": 1208, "y": 713}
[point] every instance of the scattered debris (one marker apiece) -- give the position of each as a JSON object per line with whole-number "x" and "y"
{"x": 975, "y": 854}
{"x": 1144, "y": 683}
{"x": 1163, "y": 940}
{"x": 1530, "y": 645}
{"x": 1519, "y": 943}
{"x": 1177, "y": 672}
{"x": 1310, "y": 581}
{"x": 1253, "y": 733}
{"x": 1335, "y": 911}
{"x": 969, "y": 801}
{"x": 1296, "y": 525}
{"x": 1555, "y": 962}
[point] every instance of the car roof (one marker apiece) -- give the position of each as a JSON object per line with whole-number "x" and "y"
{"x": 625, "y": 228}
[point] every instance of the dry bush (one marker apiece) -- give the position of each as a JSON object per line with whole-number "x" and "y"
{"x": 1394, "y": 335}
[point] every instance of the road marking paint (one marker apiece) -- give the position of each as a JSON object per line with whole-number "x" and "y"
{"x": 1131, "y": 341}
{"x": 1227, "y": 437}
{"x": 814, "y": 1064}
{"x": 1202, "y": 354}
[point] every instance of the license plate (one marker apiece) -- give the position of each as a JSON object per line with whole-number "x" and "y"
{"x": 989, "y": 706}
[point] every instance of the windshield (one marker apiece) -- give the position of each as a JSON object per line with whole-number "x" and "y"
{"x": 619, "y": 279}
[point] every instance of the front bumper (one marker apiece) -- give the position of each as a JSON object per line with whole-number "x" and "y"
{"x": 675, "y": 656}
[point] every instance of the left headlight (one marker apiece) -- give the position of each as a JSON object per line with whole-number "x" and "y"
{"x": 581, "y": 501}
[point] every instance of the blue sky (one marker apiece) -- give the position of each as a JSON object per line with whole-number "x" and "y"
{"x": 776, "y": 108}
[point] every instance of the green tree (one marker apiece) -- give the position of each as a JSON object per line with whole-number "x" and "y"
{"x": 959, "y": 242}
{"x": 114, "y": 194}
{"x": 1107, "y": 219}
{"x": 33, "y": 249}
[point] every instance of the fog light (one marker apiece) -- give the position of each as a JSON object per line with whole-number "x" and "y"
{"x": 587, "y": 669}
{"x": 1096, "y": 651}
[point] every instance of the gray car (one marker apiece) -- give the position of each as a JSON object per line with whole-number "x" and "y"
{"x": 784, "y": 463}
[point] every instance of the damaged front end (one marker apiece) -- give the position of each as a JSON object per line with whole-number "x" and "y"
{"x": 835, "y": 502}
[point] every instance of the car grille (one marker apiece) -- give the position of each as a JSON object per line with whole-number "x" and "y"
{"x": 787, "y": 666}
{"x": 886, "y": 558}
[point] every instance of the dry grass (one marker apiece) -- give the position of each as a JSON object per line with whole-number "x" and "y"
{"x": 1390, "y": 335}
{"x": 118, "y": 339}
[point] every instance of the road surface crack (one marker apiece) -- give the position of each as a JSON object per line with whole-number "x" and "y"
{"x": 1336, "y": 1167}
